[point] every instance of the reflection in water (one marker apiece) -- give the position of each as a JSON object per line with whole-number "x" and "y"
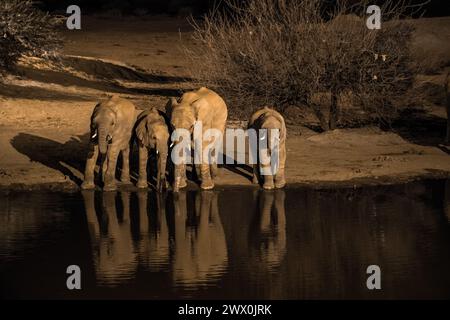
{"x": 236, "y": 243}
{"x": 112, "y": 245}
{"x": 268, "y": 232}
{"x": 200, "y": 250}
{"x": 154, "y": 235}
{"x": 189, "y": 242}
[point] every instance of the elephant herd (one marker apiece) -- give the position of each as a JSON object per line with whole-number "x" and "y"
{"x": 116, "y": 126}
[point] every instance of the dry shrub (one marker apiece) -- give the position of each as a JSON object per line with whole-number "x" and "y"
{"x": 26, "y": 31}
{"x": 286, "y": 52}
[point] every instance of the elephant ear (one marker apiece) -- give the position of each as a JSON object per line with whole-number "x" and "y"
{"x": 278, "y": 116}
{"x": 203, "y": 111}
{"x": 255, "y": 119}
{"x": 141, "y": 132}
{"x": 172, "y": 103}
{"x": 96, "y": 110}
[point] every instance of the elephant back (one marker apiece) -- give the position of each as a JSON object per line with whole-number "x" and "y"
{"x": 260, "y": 116}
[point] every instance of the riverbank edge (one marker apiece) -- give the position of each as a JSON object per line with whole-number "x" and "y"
{"x": 71, "y": 187}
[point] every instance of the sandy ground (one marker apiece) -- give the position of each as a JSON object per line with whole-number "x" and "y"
{"x": 44, "y": 112}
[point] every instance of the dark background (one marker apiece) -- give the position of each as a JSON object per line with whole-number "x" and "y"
{"x": 433, "y": 9}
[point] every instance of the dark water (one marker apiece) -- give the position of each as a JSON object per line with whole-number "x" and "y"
{"x": 230, "y": 243}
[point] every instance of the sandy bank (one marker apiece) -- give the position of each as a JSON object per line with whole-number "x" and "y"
{"x": 44, "y": 112}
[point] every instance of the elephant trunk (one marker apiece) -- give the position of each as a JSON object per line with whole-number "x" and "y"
{"x": 102, "y": 137}
{"x": 162, "y": 164}
{"x": 179, "y": 169}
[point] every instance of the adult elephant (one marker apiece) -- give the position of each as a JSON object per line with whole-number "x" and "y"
{"x": 112, "y": 124}
{"x": 208, "y": 108}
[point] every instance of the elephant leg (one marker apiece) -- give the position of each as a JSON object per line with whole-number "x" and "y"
{"x": 205, "y": 173}
{"x": 255, "y": 174}
{"x": 179, "y": 177}
{"x": 267, "y": 178}
{"x": 183, "y": 182}
{"x": 125, "y": 175}
{"x": 214, "y": 170}
{"x": 268, "y": 182}
{"x": 104, "y": 166}
{"x": 143, "y": 158}
{"x": 88, "y": 182}
{"x": 196, "y": 167}
{"x": 205, "y": 169}
{"x": 213, "y": 163}
{"x": 280, "y": 179}
{"x": 110, "y": 179}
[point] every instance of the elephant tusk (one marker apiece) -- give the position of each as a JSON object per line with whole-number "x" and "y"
{"x": 171, "y": 145}
{"x": 157, "y": 152}
{"x": 94, "y": 135}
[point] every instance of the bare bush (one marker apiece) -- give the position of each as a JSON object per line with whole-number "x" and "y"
{"x": 288, "y": 52}
{"x": 25, "y": 31}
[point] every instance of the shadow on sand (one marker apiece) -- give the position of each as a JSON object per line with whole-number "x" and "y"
{"x": 53, "y": 154}
{"x": 421, "y": 128}
{"x": 60, "y": 156}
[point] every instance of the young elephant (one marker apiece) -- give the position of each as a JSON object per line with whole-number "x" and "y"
{"x": 267, "y": 118}
{"x": 152, "y": 133}
{"x": 203, "y": 106}
{"x": 112, "y": 124}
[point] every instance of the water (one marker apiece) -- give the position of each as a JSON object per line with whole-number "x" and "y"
{"x": 232, "y": 243}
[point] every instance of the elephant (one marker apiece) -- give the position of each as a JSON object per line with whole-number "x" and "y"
{"x": 207, "y": 107}
{"x": 152, "y": 134}
{"x": 109, "y": 224}
{"x": 153, "y": 246}
{"x": 112, "y": 123}
{"x": 267, "y": 118}
{"x": 199, "y": 247}
{"x": 267, "y": 234}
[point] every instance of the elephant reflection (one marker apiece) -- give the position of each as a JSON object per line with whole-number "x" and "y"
{"x": 191, "y": 243}
{"x": 114, "y": 257}
{"x": 268, "y": 232}
{"x": 153, "y": 246}
{"x": 200, "y": 250}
